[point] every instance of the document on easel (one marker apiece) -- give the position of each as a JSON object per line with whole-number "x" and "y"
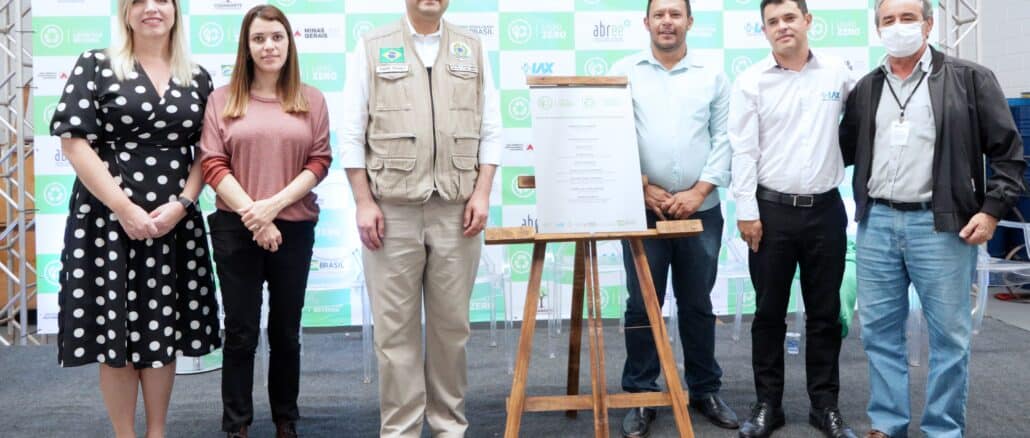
{"x": 587, "y": 164}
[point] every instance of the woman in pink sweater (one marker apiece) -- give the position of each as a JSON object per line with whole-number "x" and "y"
{"x": 265, "y": 146}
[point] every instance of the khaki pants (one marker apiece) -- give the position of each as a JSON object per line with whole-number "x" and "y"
{"x": 424, "y": 257}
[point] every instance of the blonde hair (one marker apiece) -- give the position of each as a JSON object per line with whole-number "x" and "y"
{"x": 291, "y": 98}
{"x": 123, "y": 61}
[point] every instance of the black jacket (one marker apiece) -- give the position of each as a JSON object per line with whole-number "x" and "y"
{"x": 973, "y": 120}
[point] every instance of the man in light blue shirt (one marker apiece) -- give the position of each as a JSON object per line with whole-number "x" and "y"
{"x": 681, "y": 109}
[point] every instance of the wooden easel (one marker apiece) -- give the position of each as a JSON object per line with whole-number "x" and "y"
{"x": 585, "y": 279}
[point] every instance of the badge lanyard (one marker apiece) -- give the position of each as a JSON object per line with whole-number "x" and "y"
{"x": 910, "y": 96}
{"x": 900, "y": 129}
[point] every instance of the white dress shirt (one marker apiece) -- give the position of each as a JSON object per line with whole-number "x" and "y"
{"x": 355, "y": 103}
{"x": 783, "y": 127}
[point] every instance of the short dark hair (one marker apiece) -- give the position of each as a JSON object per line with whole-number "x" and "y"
{"x": 802, "y": 4}
{"x": 684, "y": 1}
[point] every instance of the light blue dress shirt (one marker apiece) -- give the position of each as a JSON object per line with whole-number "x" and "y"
{"x": 681, "y": 116}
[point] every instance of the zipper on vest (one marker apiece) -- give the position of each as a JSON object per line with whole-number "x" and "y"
{"x": 432, "y": 112}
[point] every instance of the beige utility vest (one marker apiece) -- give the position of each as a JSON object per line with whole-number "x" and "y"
{"x": 423, "y": 129}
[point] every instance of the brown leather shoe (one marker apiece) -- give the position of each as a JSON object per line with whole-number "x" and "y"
{"x": 242, "y": 433}
{"x": 286, "y": 429}
{"x": 876, "y": 434}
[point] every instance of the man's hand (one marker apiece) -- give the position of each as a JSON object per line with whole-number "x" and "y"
{"x": 654, "y": 197}
{"x": 269, "y": 237}
{"x": 683, "y": 204}
{"x": 477, "y": 208}
{"x": 371, "y": 224}
{"x": 979, "y": 229}
{"x": 751, "y": 232}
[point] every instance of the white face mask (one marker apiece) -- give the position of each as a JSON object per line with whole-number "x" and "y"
{"x": 902, "y": 39}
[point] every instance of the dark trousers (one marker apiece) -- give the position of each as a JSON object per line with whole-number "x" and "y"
{"x": 813, "y": 239}
{"x": 693, "y": 261}
{"x": 243, "y": 267}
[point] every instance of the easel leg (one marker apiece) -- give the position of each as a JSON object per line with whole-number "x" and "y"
{"x": 517, "y": 400}
{"x": 576, "y": 325}
{"x": 661, "y": 340}
{"x": 596, "y": 336}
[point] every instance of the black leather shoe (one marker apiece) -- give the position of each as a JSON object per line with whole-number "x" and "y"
{"x": 637, "y": 423}
{"x": 716, "y": 411}
{"x": 830, "y": 423}
{"x": 763, "y": 421}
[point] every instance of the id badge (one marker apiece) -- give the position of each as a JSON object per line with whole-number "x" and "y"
{"x": 900, "y": 131}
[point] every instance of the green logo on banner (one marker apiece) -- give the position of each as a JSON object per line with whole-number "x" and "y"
{"x": 49, "y": 268}
{"x": 515, "y": 109}
{"x": 598, "y": 62}
{"x": 391, "y": 55}
{"x": 537, "y": 31}
{"x": 511, "y": 194}
{"x": 69, "y": 36}
{"x": 839, "y": 28}
{"x": 214, "y": 34}
{"x": 43, "y": 111}
{"x": 324, "y": 71}
{"x": 207, "y": 199}
{"x": 520, "y": 259}
{"x": 53, "y": 192}
{"x": 309, "y": 6}
{"x": 738, "y": 60}
{"x": 707, "y": 31}
{"x": 358, "y": 24}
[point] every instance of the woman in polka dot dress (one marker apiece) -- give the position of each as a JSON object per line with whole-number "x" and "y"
{"x": 266, "y": 145}
{"x": 136, "y": 281}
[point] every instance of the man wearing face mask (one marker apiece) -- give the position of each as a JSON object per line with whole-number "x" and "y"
{"x": 680, "y": 108}
{"x": 783, "y": 123}
{"x": 421, "y": 141}
{"x": 917, "y": 130}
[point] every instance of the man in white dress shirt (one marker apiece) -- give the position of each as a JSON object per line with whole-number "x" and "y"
{"x": 787, "y": 164}
{"x": 421, "y": 143}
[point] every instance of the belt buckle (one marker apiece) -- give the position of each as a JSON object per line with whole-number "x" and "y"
{"x": 809, "y": 198}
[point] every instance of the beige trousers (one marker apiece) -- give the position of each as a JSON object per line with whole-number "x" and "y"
{"x": 425, "y": 263}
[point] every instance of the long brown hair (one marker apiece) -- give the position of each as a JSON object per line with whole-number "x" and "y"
{"x": 289, "y": 86}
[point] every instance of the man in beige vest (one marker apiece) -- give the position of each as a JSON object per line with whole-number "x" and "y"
{"x": 421, "y": 142}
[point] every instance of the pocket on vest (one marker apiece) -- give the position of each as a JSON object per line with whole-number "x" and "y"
{"x": 389, "y": 176}
{"x": 464, "y": 90}
{"x": 466, "y": 144}
{"x": 392, "y": 144}
{"x": 464, "y": 175}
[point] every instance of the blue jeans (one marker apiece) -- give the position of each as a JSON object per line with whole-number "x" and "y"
{"x": 694, "y": 262}
{"x": 896, "y": 248}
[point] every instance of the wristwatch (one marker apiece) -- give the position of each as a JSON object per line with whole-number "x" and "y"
{"x": 186, "y": 202}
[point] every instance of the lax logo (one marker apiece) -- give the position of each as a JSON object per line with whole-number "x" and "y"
{"x": 52, "y": 272}
{"x": 518, "y": 108}
{"x": 596, "y": 66}
{"x": 51, "y": 36}
{"x": 211, "y": 34}
{"x": 520, "y": 31}
{"x": 55, "y": 194}
{"x": 819, "y": 29}
{"x": 361, "y": 28}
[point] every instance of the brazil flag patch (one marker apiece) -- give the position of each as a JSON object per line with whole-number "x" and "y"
{"x": 391, "y": 55}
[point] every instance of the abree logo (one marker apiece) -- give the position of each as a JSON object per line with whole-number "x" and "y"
{"x": 605, "y": 32}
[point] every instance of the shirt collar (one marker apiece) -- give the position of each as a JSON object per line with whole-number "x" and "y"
{"x": 687, "y": 63}
{"x": 925, "y": 62}
{"x": 415, "y": 34}
{"x": 770, "y": 63}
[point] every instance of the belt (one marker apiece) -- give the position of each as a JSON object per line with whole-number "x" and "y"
{"x": 903, "y": 206}
{"x": 805, "y": 201}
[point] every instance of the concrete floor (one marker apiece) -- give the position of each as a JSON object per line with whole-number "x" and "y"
{"x": 1013, "y": 313}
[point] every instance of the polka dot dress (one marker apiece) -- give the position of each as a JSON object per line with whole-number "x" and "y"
{"x": 128, "y": 301}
